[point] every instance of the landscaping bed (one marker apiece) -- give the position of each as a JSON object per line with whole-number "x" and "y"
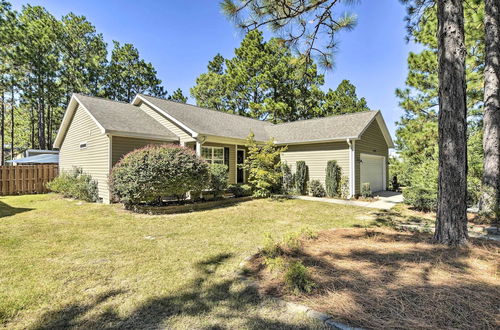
{"x": 382, "y": 278}
{"x": 187, "y": 206}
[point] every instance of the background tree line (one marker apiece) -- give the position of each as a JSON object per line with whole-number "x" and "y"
{"x": 44, "y": 60}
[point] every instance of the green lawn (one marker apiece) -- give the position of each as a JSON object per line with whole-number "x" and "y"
{"x": 69, "y": 263}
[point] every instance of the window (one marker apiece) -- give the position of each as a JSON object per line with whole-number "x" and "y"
{"x": 83, "y": 145}
{"x": 213, "y": 155}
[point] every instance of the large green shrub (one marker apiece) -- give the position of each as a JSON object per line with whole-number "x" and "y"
{"x": 423, "y": 199}
{"x": 75, "y": 184}
{"x": 333, "y": 178}
{"x": 317, "y": 189}
{"x": 288, "y": 179}
{"x": 145, "y": 175}
{"x": 421, "y": 192}
{"x": 263, "y": 167}
{"x": 218, "y": 179}
{"x": 301, "y": 177}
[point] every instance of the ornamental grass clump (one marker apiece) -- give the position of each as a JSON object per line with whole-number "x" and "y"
{"x": 145, "y": 175}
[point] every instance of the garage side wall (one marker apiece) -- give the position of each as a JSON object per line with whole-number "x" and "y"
{"x": 93, "y": 159}
{"x": 316, "y": 156}
{"x": 372, "y": 142}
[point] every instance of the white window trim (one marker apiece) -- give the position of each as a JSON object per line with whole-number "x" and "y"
{"x": 213, "y": 148}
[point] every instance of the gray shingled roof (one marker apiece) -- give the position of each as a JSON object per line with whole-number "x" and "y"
{"x": 120, "y": 117}
{"x": 212, "y": 122}
{"x": 328, "y": 128}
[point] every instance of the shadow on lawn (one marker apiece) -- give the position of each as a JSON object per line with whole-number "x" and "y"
{"x": 6, "y": 210}
{"x": 201, "y": 296}
{"x": 386, "y": 285}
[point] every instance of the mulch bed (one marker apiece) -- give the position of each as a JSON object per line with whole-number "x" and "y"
{"x": 382, "y": 278}
{"x": 187, "y": 207}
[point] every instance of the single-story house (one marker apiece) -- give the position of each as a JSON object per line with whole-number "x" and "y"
{"x": 95, "y": 133}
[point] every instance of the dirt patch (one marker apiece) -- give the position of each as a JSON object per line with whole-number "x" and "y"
{"x": 381, "y": 278}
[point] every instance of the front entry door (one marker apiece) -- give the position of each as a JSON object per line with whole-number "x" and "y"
{"x": 240, "y": 173}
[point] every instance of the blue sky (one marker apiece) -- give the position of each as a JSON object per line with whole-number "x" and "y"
{"x": 180, "y": 36}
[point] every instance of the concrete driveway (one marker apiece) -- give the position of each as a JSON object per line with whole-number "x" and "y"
{"x": 386, "y": 200}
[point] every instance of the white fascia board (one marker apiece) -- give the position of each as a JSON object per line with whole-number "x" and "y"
{"x": 141, "y": 136}
{"x": 342, "y": 139}
{"x": 139, "y": 98}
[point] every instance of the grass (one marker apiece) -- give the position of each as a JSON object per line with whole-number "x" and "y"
{"x": 379, "y": 278}
{"x": 65, "y": 263}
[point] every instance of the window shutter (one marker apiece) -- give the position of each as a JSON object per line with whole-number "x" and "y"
{"x": 226, "y": 157}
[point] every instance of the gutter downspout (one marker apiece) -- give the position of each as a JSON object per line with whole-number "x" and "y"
{"x": 352, "y": 168}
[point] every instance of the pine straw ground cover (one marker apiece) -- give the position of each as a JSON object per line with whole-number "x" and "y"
{"x": 381, "y": 278}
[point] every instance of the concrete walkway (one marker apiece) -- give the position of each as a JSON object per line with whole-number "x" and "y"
{"x": 386, "y": 200}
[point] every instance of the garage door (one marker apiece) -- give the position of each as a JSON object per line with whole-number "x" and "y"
{"x": 372, "y": 171}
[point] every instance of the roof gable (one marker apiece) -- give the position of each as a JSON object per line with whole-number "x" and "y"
{"x": 116, "y": 118}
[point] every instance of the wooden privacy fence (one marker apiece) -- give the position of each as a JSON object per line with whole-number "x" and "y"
{"x": 26, "y": 179}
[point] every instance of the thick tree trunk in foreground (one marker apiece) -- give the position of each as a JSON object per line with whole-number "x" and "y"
{"x": 491, "y": 138}
{"x": 451, "y": 221}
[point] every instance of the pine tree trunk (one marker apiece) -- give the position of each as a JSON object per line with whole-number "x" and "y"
{"x": 41, "y": 125}
{"x": 451, "y": 220}
{"x": 491, "y": 138}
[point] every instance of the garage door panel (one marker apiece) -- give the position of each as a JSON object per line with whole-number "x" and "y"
{"x": 372, "y": 171}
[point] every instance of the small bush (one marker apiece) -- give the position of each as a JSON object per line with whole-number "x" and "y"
{"x": 423, "y": 199}
{"x": 301, "y": 177}
{"x": 297, "y": 278}
{"x": 147, "y": 174}
{"x": 333, "y": 178}
{"x": 308, "y": 233}
{"x": 288, "y": 183}
{"x": 218, "y": 178}
{"x": 291, "y": 242}
{"x": 240, "y": 190}
{"x": 270, "y": 248}
{"x": 366, "y": 190}
{"x": 317, "y": 189}
{"x": 75, "y": 184}
{"x": 277, "y": 264}
{"x": 344, "y": 186}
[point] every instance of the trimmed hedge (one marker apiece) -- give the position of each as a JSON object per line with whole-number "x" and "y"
{"x": 218, "y": 178}
{"x": 423, "y": 199}
{"x": 301, "y": 177}
{"x": 240, "y": 190}
{"x": 145, "y": 175}
{"x": 333, "y": 178}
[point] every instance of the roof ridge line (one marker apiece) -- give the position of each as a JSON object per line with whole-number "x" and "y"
{"x": 203, "y": 108}
{"x": 320, "y": 118}
{"x": 101, "y": 98}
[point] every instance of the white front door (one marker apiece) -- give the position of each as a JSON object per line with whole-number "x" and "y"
{"x": 372, "y": 170}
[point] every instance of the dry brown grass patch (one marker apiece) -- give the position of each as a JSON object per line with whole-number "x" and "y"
{"x": 381, "y": 278}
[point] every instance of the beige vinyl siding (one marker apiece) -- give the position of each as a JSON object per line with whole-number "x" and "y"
{"x": 174, "y": 128}
{"x": 232, "y": 158}
{"x": 94, "y": 159}
{"x": 123, "y": 145}
{"x": 316, "y": 156}
{"x": 372, "y": 142}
